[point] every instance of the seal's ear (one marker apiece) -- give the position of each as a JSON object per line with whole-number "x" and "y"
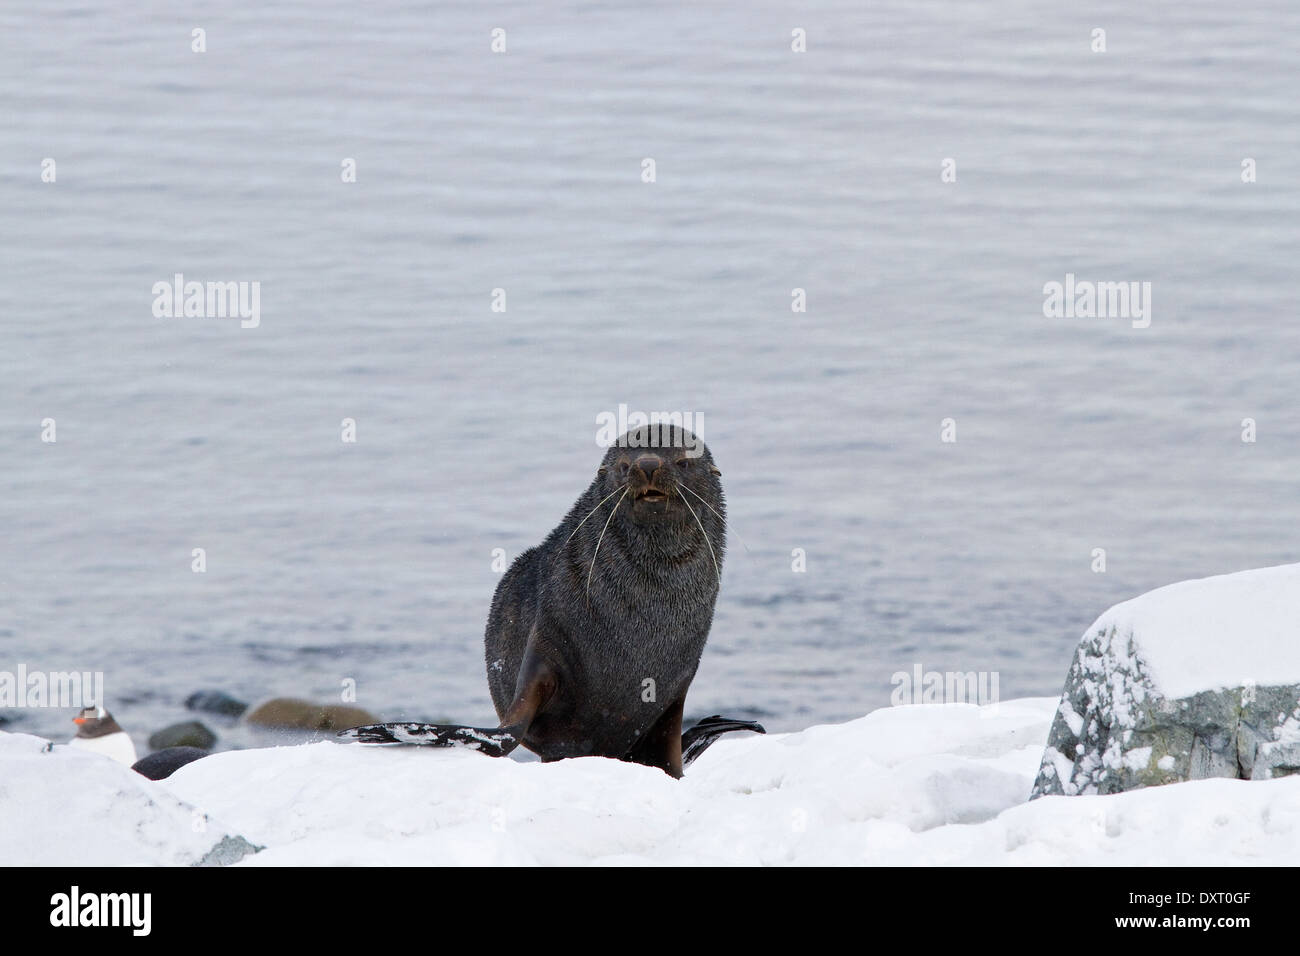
{"x": 601, "y": 470}
{"x": 714, "y": 470}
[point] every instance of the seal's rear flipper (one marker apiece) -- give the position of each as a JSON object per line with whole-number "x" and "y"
{"x": 700, "y": 737}
{"x": 495, "y": 742}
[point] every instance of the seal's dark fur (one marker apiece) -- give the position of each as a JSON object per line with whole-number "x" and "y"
{"x": 628, "y": 647}
{"x": 595, "y": 635}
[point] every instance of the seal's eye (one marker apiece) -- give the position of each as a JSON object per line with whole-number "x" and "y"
{"x": 683, "y": 463}
{"x": 623, "y": 466}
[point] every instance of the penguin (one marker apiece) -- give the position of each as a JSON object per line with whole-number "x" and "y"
{"x": 97, "y": 731}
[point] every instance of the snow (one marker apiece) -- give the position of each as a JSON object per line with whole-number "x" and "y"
{"x": 1138, "y": 759}
{"x": 920, "y": 784}
{"x": 72, "y": 807}
{"x": 1226, "y": 631}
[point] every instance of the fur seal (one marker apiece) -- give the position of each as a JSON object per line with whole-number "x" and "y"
{"x": 293, "y": 713}
{"x": 595, "y": 635}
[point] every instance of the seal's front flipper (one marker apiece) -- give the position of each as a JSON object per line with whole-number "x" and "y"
{"x": 495, "y": 742}
{"x": 700, "y": 737}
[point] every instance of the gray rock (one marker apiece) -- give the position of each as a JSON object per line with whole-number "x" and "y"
{"x": 189, "y": 733}
{"x": 1114, "y": 730}
{"x": 215, "y": 702}
{"x": 231, "y": 849}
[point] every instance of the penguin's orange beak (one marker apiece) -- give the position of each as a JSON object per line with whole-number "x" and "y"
{"x": 78, "y": 720}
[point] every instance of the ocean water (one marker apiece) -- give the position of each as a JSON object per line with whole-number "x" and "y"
{"x": 775, "y": 170}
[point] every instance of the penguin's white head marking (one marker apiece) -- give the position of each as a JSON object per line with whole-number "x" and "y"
{"x": 90, "y": 713}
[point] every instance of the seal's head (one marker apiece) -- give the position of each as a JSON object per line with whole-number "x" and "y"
{"x": 666, "y": 472}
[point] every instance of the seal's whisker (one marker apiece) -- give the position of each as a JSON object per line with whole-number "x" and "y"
{"x": 597, "y": 505}
{"x": 599, "y": 540}
{"x": 706, "y": 539}
{"x": 715, "y": 511}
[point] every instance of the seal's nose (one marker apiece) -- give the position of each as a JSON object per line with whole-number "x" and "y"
{"x": 649, "y": 464}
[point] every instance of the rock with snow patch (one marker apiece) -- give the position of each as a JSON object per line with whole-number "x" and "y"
{"x": 1194, "y": 680}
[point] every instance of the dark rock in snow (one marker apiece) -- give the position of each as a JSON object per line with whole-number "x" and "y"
{"x": 189, "y": 733}
{"x": 161, "y": 765}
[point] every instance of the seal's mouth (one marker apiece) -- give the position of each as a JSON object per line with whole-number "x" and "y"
{"x": 652, "y": 495}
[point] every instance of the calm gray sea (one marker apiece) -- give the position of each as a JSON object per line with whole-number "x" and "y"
{"x": 521, "y": 171}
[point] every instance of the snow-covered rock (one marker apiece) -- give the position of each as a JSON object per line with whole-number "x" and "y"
{"x": 1194, "y": 680}
{"x": 62, "y": 806}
